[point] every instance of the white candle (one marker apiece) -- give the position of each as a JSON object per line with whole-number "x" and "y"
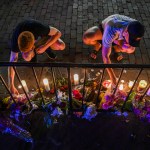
{"x": 76, "y": 79}
{"x": 121, "y": 86}
{"x": 19, "y": 86}
{"x": 25, "y": 86}
{"x": 142, "y": 85}
{"x": 46, "y": 84}
{"x": 130, "y": 84}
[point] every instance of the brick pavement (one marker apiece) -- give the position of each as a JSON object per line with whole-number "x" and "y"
{"x": 72, "y": 18}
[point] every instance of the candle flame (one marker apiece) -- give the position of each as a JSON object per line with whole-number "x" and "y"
{"x": 45, "y": 81}
{"x": 121, "y": 87}
{"x": 24, "y": 83}
{"x": 130, "y": 84}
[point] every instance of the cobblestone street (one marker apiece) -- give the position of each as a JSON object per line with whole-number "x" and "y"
{"x": 111, "y": 129}
{"x": 72, "y": 18}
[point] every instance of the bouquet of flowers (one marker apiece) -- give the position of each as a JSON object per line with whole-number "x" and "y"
{"x": 109, "y": 100}
{"x": 141, "y": 107}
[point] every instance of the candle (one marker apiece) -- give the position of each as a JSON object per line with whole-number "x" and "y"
{"x": 76, "y": 79}
{"x": 25, "y": 86}
{"x": 19, "y": 86}
{"x": 107, "y": 84}
{"x": 46, "y": 84}
{"x": 142, "y": 85}
{"x": 121, "y": 86}
{"x": 130, "y": 84}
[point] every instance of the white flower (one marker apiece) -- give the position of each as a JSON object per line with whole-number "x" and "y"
{"x": 57, "y": 112}
{"x": 90, "y": 112}
{"x": 60, "y": 94}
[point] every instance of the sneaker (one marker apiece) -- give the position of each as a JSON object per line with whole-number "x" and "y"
{"x": 50, "y": 54}
{"x": 118, "y": 56}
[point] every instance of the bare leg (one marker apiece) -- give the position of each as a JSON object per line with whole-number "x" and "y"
{"x": 91, "y": 37}
{"x": 58, "y": 45}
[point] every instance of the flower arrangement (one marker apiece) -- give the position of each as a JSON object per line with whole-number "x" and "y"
{"x": 141, "y": 107}
{"x": 109, "y": 100}
{"x": 60, "y": 105}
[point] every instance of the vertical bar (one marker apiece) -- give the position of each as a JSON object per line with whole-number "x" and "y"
{"x": 118, "y": 80}
{"x": 34, "y": 73}
{"x": 59, "y": 71}
{"x": 131, "y": 90}
{"x": 100, "y": 85}
{"x": 83, "y": 94}
{"x": 54, "y": 81}
{"x": 70, "y": 91}
{"x": 41, "y": 76}
{"x": 22, "y": 86}
{"x": 7, "y": 89}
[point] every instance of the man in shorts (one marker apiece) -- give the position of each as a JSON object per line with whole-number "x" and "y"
{"x": 118, "y": 31}
{"x": 31, "y": 37}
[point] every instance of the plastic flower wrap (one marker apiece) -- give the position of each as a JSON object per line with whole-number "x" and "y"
{"x": 90, "y": 112}
{"x": 57, "y": 112}
{"x": 20, "y": 99}
{"x": 120, "y": 96}
{"x": 8, "y": 127}
{"x": 141, "y": 107}
{"x": 109, "y": 100}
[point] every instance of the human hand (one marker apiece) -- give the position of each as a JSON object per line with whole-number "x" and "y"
{"x": 40, "y": 50}
{"x": 13, "y": 90}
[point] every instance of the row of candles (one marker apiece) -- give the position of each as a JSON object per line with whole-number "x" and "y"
{"x": 107, "y": 84}
{"x": 46, "y": 83}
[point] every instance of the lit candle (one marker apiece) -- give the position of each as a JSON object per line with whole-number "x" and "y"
{"x": 19, "y": 86}
{"x": 76, "y": 79}
{"x": 142, "y": 85}
{"x": 121, "y": 86}
{"x": 130, "y": 84}
{"x": 46, "y": 84}
{"x": 25, "y": 86}
{"x": 107, "y": 84}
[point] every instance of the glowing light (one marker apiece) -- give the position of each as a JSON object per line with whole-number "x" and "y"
{"x": 76, "y": 79}
{"x": 130, "y": 84}
{"x": 46, "y": 84}
{"x": 121, "y": 86}
{"x": 107, "y": 84}
{"x": 142, "y": 85}
{"x": 19, "y": 86}
{"x": 25, "y": 86}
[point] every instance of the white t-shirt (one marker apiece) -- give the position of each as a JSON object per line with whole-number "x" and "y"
{"x": 114, "y": 26}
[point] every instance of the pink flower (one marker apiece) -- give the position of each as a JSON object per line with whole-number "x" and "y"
{"x": 121, "y": 95}
{"x": 109, "y": 97}
{"x": 105, "y": 106}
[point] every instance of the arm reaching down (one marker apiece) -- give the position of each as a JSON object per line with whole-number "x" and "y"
{"x": 106, "y": 59}
{"x": 11, "y": 73}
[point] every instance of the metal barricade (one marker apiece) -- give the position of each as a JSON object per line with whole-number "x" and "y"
{"x": 69, "y": 67}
